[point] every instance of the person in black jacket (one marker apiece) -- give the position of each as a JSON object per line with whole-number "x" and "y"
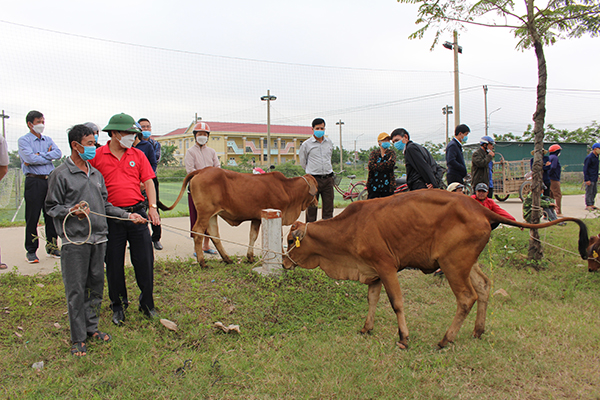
{"x": 457, "y": 169}
{"x": 419, "y": 174}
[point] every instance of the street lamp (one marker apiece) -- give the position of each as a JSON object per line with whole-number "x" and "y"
{"x": 268, "y": 98}
{"x": 355, "y": 155}
{"x": 447, "y": 111}
{"x": 340, "y": 123}
{"x": 3, "y": 116}
{"x": 457, "y": 49}
{"x": 488, "y": 119}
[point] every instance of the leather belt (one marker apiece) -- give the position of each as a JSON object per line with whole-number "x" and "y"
{"x": 135, "y": 208}
{"x": 324, "y": 176}
{"x": 37, "y": 176}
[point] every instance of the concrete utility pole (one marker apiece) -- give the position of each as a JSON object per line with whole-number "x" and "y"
{"x": 447, "y": 111}
{"x": 268, "y": 98}
{"x": 485, "y": 90}
{"x": 457, "y": 49}
{"x": 3, "y": 116}
{"x": 355, "y": 154}
{"x": 340, "y": 123}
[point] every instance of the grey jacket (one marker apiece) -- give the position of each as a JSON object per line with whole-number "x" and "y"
{"x": 480, "y": 167}
{"x": 67, "y": 186}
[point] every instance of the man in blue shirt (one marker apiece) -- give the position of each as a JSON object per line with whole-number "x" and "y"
{"x": 37, "y": 152}
{"x": 590, "y": 177}
{"x": 148, "y": 145}
{"x": 457, "y": 169}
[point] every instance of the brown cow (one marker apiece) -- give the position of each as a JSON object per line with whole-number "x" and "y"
{"x": 238, "y": 197}
{"x": 370, "y": 241}
{"x": 593, "y": 253}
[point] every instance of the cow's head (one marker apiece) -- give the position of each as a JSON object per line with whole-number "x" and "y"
{"x": 593, "y": 253}
{"x": 294, "y": 239}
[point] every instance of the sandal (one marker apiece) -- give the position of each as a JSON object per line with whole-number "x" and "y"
{"x": 100, "y": 336}
{"x": 3, "y": 266}
{"x": 78, "y": 349}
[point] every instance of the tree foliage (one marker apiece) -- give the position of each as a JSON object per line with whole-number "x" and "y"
{"x": 167, "y": 155}
{"x": 539, "y": 24}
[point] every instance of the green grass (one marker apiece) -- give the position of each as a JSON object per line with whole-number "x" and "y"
{"x": 299, "y": 335}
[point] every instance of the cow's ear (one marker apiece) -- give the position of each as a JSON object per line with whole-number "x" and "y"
{"x": 593, "y": 239}
{"x": 312, "y": 185}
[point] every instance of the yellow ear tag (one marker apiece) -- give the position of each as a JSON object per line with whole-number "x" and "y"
{"x": 297, "y": 242}
{"x": 595, "y": 254}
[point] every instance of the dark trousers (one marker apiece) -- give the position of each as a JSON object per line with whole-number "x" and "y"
{"x": 156, "y": 229}
{"x": 325, "y": 191}
{"x": 380, "y": 194}
{"x": 83, "y": 276}
{"x": 490, "y": 193}
{"x": 417, "y": 185}
{"x": 454, "y": 178}
{"x": 35, "y": 195}
{"x": 142, "y": 258}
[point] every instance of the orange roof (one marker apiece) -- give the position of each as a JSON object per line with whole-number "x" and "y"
{"x": 248, "y": 128}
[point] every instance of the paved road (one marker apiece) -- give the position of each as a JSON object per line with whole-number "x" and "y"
{"x": 178, "y": 244}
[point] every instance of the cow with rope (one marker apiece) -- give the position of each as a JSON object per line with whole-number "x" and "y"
{"x": 370, "y": 241}
{"x": 238, "y": 197}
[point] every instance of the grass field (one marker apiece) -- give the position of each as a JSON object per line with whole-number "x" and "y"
{"x": 299, "y": 335}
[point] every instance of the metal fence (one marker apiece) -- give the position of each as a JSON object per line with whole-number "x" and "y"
{"x": 11, "y": 196}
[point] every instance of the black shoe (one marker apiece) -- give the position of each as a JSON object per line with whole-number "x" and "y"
{"x": 158, "y": 245}
{"x": 32, "y": 258}
{"x": 118, "y": 317}
{"x": 149, "y": 313}
{"x": 53, "y": 253}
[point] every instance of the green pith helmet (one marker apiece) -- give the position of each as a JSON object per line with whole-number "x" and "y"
{"x": 123, "y": 123}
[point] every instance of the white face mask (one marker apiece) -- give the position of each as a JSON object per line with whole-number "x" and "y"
{"x": 39, "y": 128}
{"x": 127, "y": 141}
{"x": 201, "y": 140}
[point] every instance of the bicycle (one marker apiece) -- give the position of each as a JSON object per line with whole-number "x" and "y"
{"x": 354, "y": 189}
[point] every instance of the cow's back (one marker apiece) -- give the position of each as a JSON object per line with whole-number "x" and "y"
{"x": 236, "y": 196}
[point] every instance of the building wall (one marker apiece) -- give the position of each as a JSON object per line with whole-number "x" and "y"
{"x": 571, "y": 156}
{"x": 232, "y": 146}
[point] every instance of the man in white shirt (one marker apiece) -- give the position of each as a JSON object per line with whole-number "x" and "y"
{"x": 315, "y": 158}
{"x": 197, "y": 157}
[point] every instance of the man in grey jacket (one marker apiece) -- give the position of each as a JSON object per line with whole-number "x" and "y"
{"x": 84, "y": 236}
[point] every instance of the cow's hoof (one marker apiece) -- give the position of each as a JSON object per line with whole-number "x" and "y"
{"x": 249, "y": 259}
{"x": 365, "y": 331}
{"x": 477, "y": 333}
{"x": 402, "y": 346}
{"x": 227, "y": 260}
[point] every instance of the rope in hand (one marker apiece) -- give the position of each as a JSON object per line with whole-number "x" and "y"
{"x": 83, "y": 206}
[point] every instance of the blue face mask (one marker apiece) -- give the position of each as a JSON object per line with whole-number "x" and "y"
{"x": 399, "y": 145}
{"x": 96, "y": 138}
{"x": 89, "y": 152}
{"x": 386, "y": 145}
{"x": 147, "y": 134}
{"x": 319, "y": 134}
{"x": 465, "y": 139}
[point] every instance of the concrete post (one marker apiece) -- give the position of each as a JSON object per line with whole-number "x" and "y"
{"x": 271, "y": 243}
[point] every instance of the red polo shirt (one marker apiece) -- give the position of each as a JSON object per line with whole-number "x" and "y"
{"x": 123, "y": 177}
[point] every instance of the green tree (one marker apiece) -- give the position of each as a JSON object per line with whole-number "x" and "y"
{"x": 14, "y": 159}
{"x": 543, "y": 24}
{"x": 437, "y": 150}
{"x": 167, "y": 155}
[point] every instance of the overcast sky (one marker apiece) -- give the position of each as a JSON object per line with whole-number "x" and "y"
{"x": 348, "y": 60}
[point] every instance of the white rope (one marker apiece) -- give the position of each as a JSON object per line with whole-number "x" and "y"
{"x": 556, "y": 247}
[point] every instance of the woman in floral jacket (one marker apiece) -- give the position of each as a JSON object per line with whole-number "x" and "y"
{"x": 381, "y": 180}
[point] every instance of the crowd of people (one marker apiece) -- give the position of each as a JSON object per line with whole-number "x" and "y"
{"x": 115, "y": 188}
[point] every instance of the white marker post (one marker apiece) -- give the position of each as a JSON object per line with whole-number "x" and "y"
{"x": 271, "y": 242}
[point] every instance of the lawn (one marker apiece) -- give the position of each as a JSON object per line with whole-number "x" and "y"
{"x": 299, "y": 335}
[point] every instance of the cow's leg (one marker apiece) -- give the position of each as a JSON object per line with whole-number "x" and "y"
{"x": 392, "y": 288}
{"x": 373, "y": 299}
{"x": 213, "y": 230}
{"x": 481, "y": 284}
{"x": 254, "y": 227}
{"x": 198, "y": 243}
{"x": 465, "y": 298}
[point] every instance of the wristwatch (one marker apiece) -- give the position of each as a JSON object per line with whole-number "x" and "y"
{"x": 153, "y": 206}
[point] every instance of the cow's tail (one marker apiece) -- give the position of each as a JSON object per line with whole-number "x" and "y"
{"x": 187, "y": 179}
{"x": 584, "y": 239}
